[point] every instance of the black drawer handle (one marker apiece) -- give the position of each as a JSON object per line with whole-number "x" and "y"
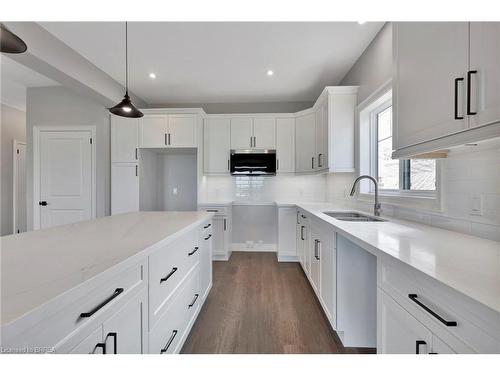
{"x": 115, "y": 294}
{"x": 212, "y": 210}
{"x": 207, "y": 238}
{"x": 469, "y": 76}
{"x": 303, "y": 216}
{"x": 168, "y": 275}
{"x": 207, "y": 226}
{"x": 101, "y": 345}
{"x": 194, "y": 251}
{"x": 447, "y": 323}
{"x": 193, "y": 301}
{"x": 114, "y": 335}
{"x": 302, "y": 233}
{"x": 169, "y": 342}
{"x": 417, "y": 345}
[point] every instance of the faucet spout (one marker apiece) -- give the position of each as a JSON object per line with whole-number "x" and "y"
{"x": 377, "y": 205}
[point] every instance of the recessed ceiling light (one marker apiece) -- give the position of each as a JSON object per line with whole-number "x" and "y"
{"x": 152, "y": 75}
{"x": 361, "y": 22}
{"x": 270, "y": 73}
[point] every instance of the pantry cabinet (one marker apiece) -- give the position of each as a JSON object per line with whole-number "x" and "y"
{"x": 124, "y": 139}
{"x": 124, "y": 188}
{"x": 216, "y": 145}
{"x": 445, "y": 85}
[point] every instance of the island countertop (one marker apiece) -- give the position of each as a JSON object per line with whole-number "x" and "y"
{"x": 40, "y": 265}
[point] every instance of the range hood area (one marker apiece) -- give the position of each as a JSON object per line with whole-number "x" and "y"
{"x": 253, "y": 162}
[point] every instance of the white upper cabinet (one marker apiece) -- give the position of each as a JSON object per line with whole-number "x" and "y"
{"x": 322, "y": 135}
{"x": 485, "y": 83}
{"x": 264, "y": 133}
{"x": 154, "y": 131}
{"x": 241, "y": 133}
{"x": 216, "y": 145}
{"x": 305, "y": 135}
{"x": 124, "y": 139}
{"x": 431, "y": 64}
{"x": 285, "y": 145}
{"x": 181, "y": 131}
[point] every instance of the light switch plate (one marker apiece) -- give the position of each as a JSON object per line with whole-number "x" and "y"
{"x": 477, "y": 205}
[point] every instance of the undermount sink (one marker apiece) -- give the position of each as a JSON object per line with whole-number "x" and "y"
{"x": 351, "y": 216}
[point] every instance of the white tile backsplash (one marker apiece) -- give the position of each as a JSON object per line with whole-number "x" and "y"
{"x": 468, "y": 173}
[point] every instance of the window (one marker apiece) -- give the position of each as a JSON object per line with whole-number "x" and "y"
{"x": 398, "y": 180}
{"x": 393, "y": 174}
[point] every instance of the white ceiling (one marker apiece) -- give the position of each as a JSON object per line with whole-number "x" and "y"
{"x": 15, "y": 78}
{"x": 203, "y": 62}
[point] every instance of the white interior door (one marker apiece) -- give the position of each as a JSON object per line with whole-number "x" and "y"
{"x": 19, "y": 189}
{"x": 66, "y": 181}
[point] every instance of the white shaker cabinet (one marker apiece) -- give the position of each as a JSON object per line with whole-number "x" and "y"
{"x": 315, "y": 269}
{"x": 285, "y": 145}
{"x": 217, "y": 144}
{"x": 241, "y": 133}
{"x": 181, "y": 130}
{"x": 124, "y": 188}
{"x": 153, "y": 131}
{"x": 264, "y": 133}
{"x": 305, "y": 136}
{"x": 431, "y": 62}
{"x": 124, "y": 139}
{"x": 92, "y": 344}
{"x": 485, "y": 83}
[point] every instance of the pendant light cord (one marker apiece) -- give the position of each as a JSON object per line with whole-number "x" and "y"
{"x": 126, "y": 57}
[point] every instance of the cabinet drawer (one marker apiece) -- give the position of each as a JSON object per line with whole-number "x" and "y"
{"x": 166, "y": 336}
{"x": 67, "y": 319}
{"x": 477, "y": 327}
{"x": 169, "y": 265}
{"x": 216, "y": 210}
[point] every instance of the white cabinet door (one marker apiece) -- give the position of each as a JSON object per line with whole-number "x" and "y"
{"x": 298, "y": 238}
{"x": 320, "y": 149}
{"x": 315, "y": 272}
{"x": 124, "y": 139}
{"x": 429, "y": 56}
{"x": 216, "y": 147}
{"x": 182, "y": 130}
{"x": 153, "y": 131}
{"x": 328, "y": 274}
{"x": 124, "y": 188}
{"x": 125, "y": 332}
{"x": 219, "y": 242}
{"x": 92, "y": 344}
{"x": 264, "y": 132}
{"x": 205, "y": 242}
{"x": 485, "y": 84}
{"x": 241, "y": 133}
{"x": 286, "y": 233}
{"x": 323, "y": 160}
{"x": 440, "y": 347}
{"x": 397, "y": 330}
{"x": 305, "y": 135}
{"x": 285, "y": 145}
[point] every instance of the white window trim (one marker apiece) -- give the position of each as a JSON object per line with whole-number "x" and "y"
{"x": 421, "y": 199}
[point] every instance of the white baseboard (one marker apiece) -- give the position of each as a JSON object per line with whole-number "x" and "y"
{"x": 287, "y": 258}
{"x": 254, "y": 247}
{"x": 220, "y": 257}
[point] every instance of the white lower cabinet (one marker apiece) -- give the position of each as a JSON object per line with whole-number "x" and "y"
{"x": 314, "y": 273}
{"x": 287, "y": 241}
{"x": 205, "y": 242}
{"x": 124, "y": 188}
{"x": 220, "y": 231}
{"x": 92, "y": 344}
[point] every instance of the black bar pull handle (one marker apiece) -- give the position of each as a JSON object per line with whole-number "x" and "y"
{"x": 42, "y": 203}
{"x": 447, "y": 323}
{"x": 163, "y": 279}
{"x": 194, "y": 251}
{"x": 114, "y": 335}
{"x": 136, "y": 153}
{"x": 457, "y": 117}
{"x": 207, "y": 226}
{"x": 312, "y": 162}
{"x": 316, "y": 249}
{"x": 302, "y": 233}
{"x": 166, "y": 142}
{"x": 417, "y": 345}
{"x": 469, "y": 91}
{"x": 101, "y": 345}
{"x": 225, "y": 224}
{"x": 211, "y": 210}
{"x": 209, "y": 236}
{"x": 193, "y": 301}
{"x": 169, "y": 342}
{"x": 115, "y": 294}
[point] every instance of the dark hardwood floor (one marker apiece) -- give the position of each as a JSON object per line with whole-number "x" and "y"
{"x": 258, "y": 305}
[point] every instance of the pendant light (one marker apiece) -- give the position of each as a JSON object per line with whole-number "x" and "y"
{"x": 125, "y": 108}
{"x": 10, "y": 42}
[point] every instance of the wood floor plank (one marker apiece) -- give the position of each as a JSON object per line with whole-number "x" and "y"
{"x": 260, "y": 306}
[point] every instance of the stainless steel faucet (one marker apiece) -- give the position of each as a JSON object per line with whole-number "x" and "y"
{"x": 376, "y": 207}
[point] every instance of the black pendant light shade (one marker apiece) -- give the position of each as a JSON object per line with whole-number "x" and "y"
{"x": 125, "y": 108}
{"x": 11, "y": 43}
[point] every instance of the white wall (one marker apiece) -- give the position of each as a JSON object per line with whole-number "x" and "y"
{"x": 59, "y": 106}
{"x": 13, "y": 126}
{"x": 263, "y": 189}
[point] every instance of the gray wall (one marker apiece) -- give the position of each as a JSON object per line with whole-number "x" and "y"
{"x": 273, "y": 107}
{"x": 59, "y": 106}
{"x": 13, "y": 126}
{"x": 374, "y": 66}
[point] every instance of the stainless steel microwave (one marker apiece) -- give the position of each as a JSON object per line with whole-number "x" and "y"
{"x": 253, "y": 162}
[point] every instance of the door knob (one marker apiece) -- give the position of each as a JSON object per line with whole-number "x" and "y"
{"x": 42, "y": 203}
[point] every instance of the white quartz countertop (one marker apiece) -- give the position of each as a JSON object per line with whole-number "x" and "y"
{"x": 468, "y": 264}
{"x": 40, "y": 265}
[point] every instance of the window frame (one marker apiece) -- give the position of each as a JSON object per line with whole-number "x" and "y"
{"x": 366, "y": 116}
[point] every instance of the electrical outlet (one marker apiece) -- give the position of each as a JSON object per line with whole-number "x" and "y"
{"x": 477, "y": 205}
